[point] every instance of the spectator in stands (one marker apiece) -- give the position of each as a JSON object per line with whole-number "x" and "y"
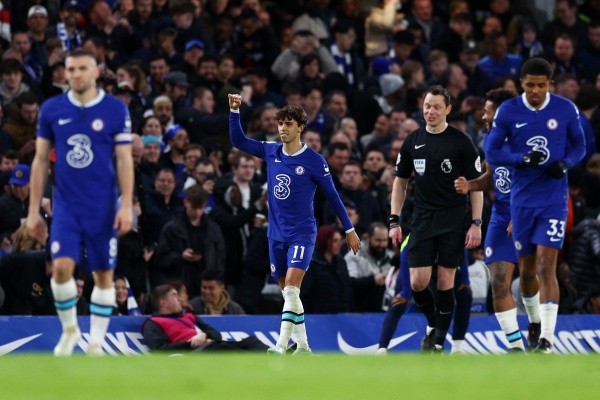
{"x": 189, "y": 244}
{"x": 214, "y": 299}
{"x": 458, "y": 32}
{"x": 529, "y": 44}
{"x": 25, "y": 278}
{"x": 313, "y": 140}
{"x": 176, "y": 140}
{"x": 338, "y": 155}
{"x": 421, "y": 13}
{"x": 368, "y": 269}
{"x": 287, "y": 65}
{"x": 590, "y": 54}
{"x": 161, "y": 204}
{"x": 37, "y": 24}
{"x": 478, "y": 79}
{"x": 326, "y": 288}
{"x": 21, "y": 124}
{"x": 14, "y": 204}
{"x": 66, "y": 30}
{"x": 564, "y": 60}
{"x": 584, "y": 257}
{"x": 124, "y": 298}
{"x": 566, "y": 21}
{"x": 162, "y": 108}
{"x": 188, "y": 26}
{"x": 176, "y": 88}
{"x": 499, "y": 63}
{"x": 336, "y": 104}
{"x": 343, "y": 50}
{"x": 236, "y": 222}
{"x": 11, "y": 81}
{"x": 318, "y": 119}
{"x": 257, "y": 46}
{"x": 173, "y": 329}
{"x": 380, "y": 24}
{"x": 150, "y": 125}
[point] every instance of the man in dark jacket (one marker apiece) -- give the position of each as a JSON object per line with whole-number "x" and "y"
{"x": 171, "y": 329}
{"x": 584, "y": 257}
{"x": 190, "y": 243}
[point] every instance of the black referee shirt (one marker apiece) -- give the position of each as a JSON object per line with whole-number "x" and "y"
{"x": 437, "y": 160}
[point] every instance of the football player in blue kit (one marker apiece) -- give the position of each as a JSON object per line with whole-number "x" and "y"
{"x": 544, "y": 139}
{"x": 500, "y": 254}
{"x": 87, "y": 128}
{"x": 294, "y": 173}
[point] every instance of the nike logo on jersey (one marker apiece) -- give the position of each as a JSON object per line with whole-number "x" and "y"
{"x": 418, "y": 146}
{"x": 64, "y": 121}
{"x": 519, "y": 125}
{"x": 277, "y": 160}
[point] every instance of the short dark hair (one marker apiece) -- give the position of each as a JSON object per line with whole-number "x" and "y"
{"x": 81, "y": 52}
{"x": 212, "y": 274}
{"x": 438, "y": 90}
{"x": 27, "y": 97}
{"x": 336, "y": 146}
{"x": 536, "y": 66}
{"x": 294, "y": 113}
{"x": 196, "y": 196}
{"x": 10, "y": 65}
{"x": 499, "y": 96}
{"x": 375, "y": 225}
{"x": 159, "y": 293}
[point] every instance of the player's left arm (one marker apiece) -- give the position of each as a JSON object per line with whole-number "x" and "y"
{"x": 575, "y": 150}
{"x": 472, "y": 164}
{"x": 352, "y": 239}
{"x": 576, "y": 139}
{"x": 124, "y": 217}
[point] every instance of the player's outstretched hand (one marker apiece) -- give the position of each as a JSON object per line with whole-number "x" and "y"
{"x": 461, "y": 185}
{"x": 37, "y": 228}
{"x": 235, "y": 101}
{"x": 396, "y": 235}
{"x": 353, "y": 241}
{"x": 123, "y": 220}
{"x": 473, "y": 238}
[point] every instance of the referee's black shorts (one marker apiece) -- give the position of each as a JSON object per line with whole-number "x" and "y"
{"x": 438, "y": 236}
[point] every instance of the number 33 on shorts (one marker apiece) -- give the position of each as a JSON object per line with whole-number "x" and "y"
{"x": 557, "y": 230}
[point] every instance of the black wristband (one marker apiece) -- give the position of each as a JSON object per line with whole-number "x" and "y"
{"x": 393, "y": 221}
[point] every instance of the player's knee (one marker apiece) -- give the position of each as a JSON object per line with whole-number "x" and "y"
{"x": 62, "y": 269}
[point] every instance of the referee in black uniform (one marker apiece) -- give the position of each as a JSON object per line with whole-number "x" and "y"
{"x": 440, "y": 227}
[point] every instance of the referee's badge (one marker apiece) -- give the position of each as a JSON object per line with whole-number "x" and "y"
{"x": 419, "y": 165}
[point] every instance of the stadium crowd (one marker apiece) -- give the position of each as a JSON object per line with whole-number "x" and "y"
{"x": 359, "y": 69}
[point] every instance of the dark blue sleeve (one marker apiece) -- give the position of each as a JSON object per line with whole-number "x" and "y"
{"x": 335, "y": 202}
{"x": 239, "y": 139}
{"x": 576, "y": 138}
{"x": 403, "y": 278}
{"x": 464, "y": 271}
{"x": 493, "y": 146}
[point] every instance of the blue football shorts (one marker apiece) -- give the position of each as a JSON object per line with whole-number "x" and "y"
{"x": 284, "y": 255}
{"x": 498, "y": 245}
{"x": 71, "y": 233}
{"x": 538, "y": 226}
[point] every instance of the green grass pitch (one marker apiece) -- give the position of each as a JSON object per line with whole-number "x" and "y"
{"x": 323, "y": 376}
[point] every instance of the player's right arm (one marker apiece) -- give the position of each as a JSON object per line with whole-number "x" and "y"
{"x": 398, "y": 197}
{"x": 483, "y": 183}
{"x": 36, "y": 227}
{"x": 236, "y": 133}
{"x": 493, "y": 146}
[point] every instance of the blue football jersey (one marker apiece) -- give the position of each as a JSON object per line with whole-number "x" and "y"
{"x": 554, "y": 130}
{"x": 292, "y": 181}
{"x": 84, "y": 138}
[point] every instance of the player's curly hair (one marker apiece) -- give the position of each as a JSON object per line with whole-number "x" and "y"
{"x": 294, "y": 113}
{"x": 499, "y": 95}
{"x": 536, "y": 66}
